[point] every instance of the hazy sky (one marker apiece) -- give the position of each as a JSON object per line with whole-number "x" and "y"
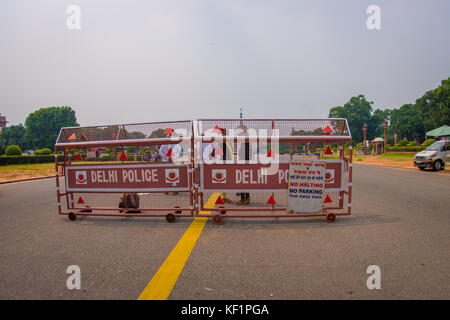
{"x": 144, "y": 61}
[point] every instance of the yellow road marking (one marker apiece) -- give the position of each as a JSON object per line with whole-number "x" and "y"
{"x": 161, "y": 285}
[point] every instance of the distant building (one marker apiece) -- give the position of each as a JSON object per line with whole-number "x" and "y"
{"x": 3, "y": 122}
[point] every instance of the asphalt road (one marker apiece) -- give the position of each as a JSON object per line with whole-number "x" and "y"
{"x": 400, "y": 222}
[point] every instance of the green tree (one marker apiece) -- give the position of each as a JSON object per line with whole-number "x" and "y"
{"x": 158, "y": 133}
{"x": 43, "y": 125}
{"x": 407, "y": 122}
{"x": 14, "y": 135}
{"x": 358, "y": 111}
{"x": 375, "y": 126}
{"x": 434, "y": 107}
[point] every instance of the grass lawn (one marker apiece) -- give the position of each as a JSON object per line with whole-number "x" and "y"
{"x": 35, "y": 170}
{"x": 398, "y": 156}
{"x": 23, "y": 171}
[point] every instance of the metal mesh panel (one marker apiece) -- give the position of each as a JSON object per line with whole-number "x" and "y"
{"x": 257, "y": 200}
{"x": 146, "y": 201}
{"x": 300, "y": 128}
{"x": 312, "y": 127}
{"x": 120, "y": 200}
{"x": 125, "y": 132}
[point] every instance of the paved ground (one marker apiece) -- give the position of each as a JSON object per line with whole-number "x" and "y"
{"x": 401, "y": 223}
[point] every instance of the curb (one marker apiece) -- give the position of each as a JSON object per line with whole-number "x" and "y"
{"x": 28, "y": 179}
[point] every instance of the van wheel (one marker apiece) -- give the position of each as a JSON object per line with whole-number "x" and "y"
{"x": 437, "y": 165}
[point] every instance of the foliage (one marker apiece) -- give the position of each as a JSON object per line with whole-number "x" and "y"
{"x": 406, "y": 122}
{"x": 428, "y": 142}
{"x": 14, "y": 135}
{"x": 434, "y": 106}
{"x": 42, "y": 152}
{"x": 43, "y": 125}
{"x": 358, "y": 112}
{"x": 430, "y": 111}
{"x": 131, "y": 149}
{"x": 13, "y": 151}
{"x": 402, "y": 143}
{"x": 26, "y": 159}
{"x": 135, "y": 135}
{"x": 159, "y": 133}
{"x": 398, "y": 148}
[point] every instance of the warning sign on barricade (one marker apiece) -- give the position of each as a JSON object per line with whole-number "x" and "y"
{"x": 255, "y": 177}
{"x": 306, "y": 186}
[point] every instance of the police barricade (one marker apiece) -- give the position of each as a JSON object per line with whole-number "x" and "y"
{"x": 273, "y": 168}
{"x": 126, "y": 170}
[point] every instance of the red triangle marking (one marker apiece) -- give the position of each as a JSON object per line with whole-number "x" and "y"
{"x": 83, "y": 137}
{"x": 327, "y": 199}
{"x": 123, "y": 156}
{"x": 271, "y": 200}
{"x": 73, "y": 136}
{"x": 217, "y": 128}
{"x": 169, "y": 153}
{"x": 328, "y": 129}
{"x": 219, "y": 151}
{"x": 80, "y": 200}
{"x": 169, "y": 131}
{"x": 328, "y": 150}
{"x": 270, "y": 154}
{"x": 219, "y": 200}
{"x": 78, "y": 157}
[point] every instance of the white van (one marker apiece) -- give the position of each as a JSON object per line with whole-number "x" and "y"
{"x": 435, "y": 156}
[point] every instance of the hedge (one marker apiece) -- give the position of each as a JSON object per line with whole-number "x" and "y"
{"x": 27, "y": 159}
{"x": 13, "y": 150}
{"x": 102, "y": 158}
{"x": 406, "y": 148}
{"x": 43, "y": 152}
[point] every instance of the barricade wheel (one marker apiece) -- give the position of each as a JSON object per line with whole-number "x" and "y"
{"x": 170, "y": 217}
{"x": 222, "y": 211}
{"x": 218, "y": 219}
{"x": 177, "y": 211}
{"x": 72, "y": 216}
{"x": 331, "y": 217}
